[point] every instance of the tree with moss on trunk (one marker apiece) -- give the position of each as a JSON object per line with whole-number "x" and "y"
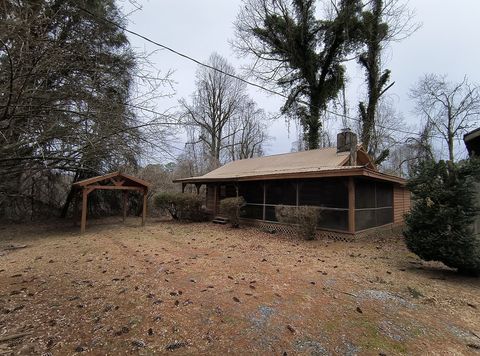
{"x": 383, "y": 21}
{"x": 302, "y": 54}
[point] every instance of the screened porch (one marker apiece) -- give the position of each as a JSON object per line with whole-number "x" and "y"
{"x": 347, "y": 204}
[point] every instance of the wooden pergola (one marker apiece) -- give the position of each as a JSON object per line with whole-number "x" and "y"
{"x": 111, "y": 181}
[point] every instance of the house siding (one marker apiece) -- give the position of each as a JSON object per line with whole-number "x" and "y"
{"x": 401, "y": 204}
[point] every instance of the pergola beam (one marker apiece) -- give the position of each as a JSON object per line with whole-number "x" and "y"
{"x": 113, "y": 187}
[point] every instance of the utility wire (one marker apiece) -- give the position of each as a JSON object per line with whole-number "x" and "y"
{"x": 235, "y": 76}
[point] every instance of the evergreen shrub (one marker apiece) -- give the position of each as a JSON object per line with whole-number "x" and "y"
{"x": 440, "y": 225}
{"x": 303, "y": 218}
{"x": 181, "y": 206}
{"x": 231, "y": 208}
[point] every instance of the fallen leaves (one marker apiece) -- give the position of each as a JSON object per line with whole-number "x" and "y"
{"x": 129, "y": 306}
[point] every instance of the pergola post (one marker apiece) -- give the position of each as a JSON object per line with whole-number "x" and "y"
{"x": 83, "y": 222}
{"x": 144, "y": 210}
{"x": 125, "y": 204}
{"x": 351, "y": 205}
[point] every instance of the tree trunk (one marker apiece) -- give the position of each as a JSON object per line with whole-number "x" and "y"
{"x": 70, "y": 197}
{"x": 450, "y": 147}
{"x": 313, "y": 124}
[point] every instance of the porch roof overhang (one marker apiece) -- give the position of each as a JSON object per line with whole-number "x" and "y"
{"x": 319, "y": 172}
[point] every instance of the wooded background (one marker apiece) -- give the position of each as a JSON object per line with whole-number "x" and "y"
{"x": 76, "y": 100}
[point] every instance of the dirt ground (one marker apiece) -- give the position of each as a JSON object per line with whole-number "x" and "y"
{"x": 208, "y": 289}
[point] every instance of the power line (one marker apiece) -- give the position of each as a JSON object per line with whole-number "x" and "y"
{"x": 237, "y": 77}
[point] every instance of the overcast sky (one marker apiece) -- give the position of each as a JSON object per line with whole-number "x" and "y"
{"x": 447, "y": 43}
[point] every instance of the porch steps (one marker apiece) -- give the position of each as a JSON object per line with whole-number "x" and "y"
{"x": 220, "y": 220}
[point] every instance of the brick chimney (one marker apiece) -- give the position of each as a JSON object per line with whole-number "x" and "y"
{"x": 347, "y": 142}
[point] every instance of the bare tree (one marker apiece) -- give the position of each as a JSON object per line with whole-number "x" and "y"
{"x": 221, "y": 118}
{"x": 248, "y": 132}
{"x": 216, "y": 101}
{"x": 404, "y": 157}
{"x": 450, "y": 108}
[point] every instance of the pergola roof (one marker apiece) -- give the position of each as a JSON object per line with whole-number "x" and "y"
{"x": 111, "y": 177}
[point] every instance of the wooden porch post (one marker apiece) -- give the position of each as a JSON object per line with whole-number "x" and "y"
{"x": 83, "y": 222}
{"x": 351, "y": 205}
{"x": 215, "y": 195}
{"x": 125, "y": 204}
{"x": 183, "y": 187}
{"x": 144, "y": 212}
{"x": 197, "y": 185}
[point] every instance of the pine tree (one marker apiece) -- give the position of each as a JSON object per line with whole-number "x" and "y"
{"x": 440, "y": 225}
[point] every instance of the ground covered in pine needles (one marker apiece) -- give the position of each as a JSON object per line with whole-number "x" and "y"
{"x": 207, "y": 289}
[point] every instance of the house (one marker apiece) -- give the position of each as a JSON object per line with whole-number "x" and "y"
{"x": 343, "y": 181}
{"x": 472, "y": 141}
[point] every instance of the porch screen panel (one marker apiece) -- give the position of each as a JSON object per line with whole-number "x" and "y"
{"x": 364, "y": 194}
{"x": 373, "y": 204}
{"x": 251, "y": 211}
{"x": 384, "y": 216}
{"x": 281, "y": 192}
{"x": 252, "y": 192}
{"x": 331, "y": 194}
{"x": 270, "y": 213}
{"x": 365, "y": 219}
{"x": 384, "y": 194}
{"x": 328, "y": 193}
{"x": 333, "y": 219}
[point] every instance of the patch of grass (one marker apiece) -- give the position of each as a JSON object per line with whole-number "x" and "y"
{"x": 416, "y": 331}
{"x": 135, "y": 320}
{"x": 371, "y": 339}
{"x": 330, "y": 326}
{"x": 414, "y": 292}
{"x": 229, "y": 319}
